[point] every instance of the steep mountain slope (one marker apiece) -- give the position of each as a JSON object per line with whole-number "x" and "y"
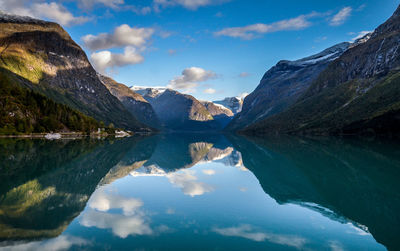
{"x": 24, "y": 111}
{"x": 282, "y": 85}
{"x": 43, "y": 57}
{"x": 233, "y": 103}
{"x": 179, "y": 112}
{"x": 358, "y": 92}
{"x": 133, "y": 102}
{"x": 220, "y": 113}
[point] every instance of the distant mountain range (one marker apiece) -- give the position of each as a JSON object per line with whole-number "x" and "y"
{"x": 48, "y": 84}
{"x": 182, "y": 112}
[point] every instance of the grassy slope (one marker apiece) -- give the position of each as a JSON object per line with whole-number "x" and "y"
{"x": 333, "y": 109}
{"x": 25, "y": 111}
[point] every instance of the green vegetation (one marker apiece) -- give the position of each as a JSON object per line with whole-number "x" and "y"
{"x": 25, "y": 111}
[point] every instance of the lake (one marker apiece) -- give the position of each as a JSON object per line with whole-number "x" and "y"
{"x": 188, "y": 191}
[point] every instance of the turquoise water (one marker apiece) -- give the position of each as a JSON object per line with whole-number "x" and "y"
{"x": 200, "y": 192}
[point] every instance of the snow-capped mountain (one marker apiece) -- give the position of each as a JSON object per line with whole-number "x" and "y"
{"x": 232, "y": 103}
{"x": 283, "y": 84}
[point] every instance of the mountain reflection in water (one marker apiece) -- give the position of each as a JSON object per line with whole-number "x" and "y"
{"x": 200, "y": 191}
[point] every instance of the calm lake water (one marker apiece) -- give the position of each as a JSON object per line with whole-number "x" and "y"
{"x": 199, "y": 192}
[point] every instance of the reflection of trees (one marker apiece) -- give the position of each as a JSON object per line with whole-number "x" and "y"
{"x": 53, "y": 183}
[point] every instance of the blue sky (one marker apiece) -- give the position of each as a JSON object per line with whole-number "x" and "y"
{"x": 209, "y": 48}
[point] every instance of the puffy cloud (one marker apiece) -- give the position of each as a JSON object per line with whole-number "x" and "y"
{"x": 121, "y": 225}
{"x": 104, "y": 201}
{"x": 122, "y": 36}
{"x": 190, "y": 78}
{"x": 251, "y": 31}
{"x": 104, "y": 60}
{"x": 51, "y": 11}
{"x": 341, "y": 16}
{"x": 209, "y": 91}
{"x": 188, "y": 4}
{"x": 188, "y": 183}
{"x": 132, "y": 221}
{"x": 248, "y": 232}
{"x": 63, "y": 242}
{"x": 58, "y": 13}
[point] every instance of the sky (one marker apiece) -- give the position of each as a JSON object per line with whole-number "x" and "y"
{"x": 210, "y": 49}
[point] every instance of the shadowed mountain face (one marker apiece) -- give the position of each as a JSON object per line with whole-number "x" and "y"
{"x": 356, "y": 93}
{"x": 356, "y": 180}
{"x": 283, "y": 84}
{"x": 42, "y": 56}
{"x": 133, "y": 102}
{"x": 48, "y": 183}
{"x": 180, "y": 112}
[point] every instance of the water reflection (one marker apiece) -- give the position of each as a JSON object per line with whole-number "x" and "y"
{"x": 195, "y": 190}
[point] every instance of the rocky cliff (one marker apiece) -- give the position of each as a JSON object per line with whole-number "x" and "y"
{"x": 283, "y": 84}
{"x": 357, "y": 93}
{"x": 179, "y": 112}
{"x": 42, "y": 56}
{"x": 133, "y": 102}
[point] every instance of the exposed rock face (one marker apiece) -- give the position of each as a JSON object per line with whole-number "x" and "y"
{"x": 220, "y": 113}
{"x": 358, "y": 92}
{"x": 179, "y": 112}
{"x": 283, "y": 84}
{"x": 133, "y": 102}
{"x": 43, "y": 57}
{"x": 149, "y": 93}
{"x": 233, "y": 103}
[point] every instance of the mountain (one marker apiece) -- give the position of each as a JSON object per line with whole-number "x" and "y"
{"x": 133, "y": 102}
{"x": 148, "y": 93}
{"x": 220, "y": 113}
{"x": 283, "y": 84}
{"x": 233, "y": 103}
{"x": 357, "y": 93}
{"x": 177, "y": 111}
{"x": 41, "y": 56}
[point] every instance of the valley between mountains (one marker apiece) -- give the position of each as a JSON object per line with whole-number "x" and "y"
{"x": 47, "y": 84}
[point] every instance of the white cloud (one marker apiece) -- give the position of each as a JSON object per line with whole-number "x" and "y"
{"x": 251, "y": 31}
{"x": 50, "y": 11}
{"x": 104, "y": 201}
{"x": 360, "y": 35}
{"x": 132, "y": 221}
{"x": 209, "y": 91}
{"x": 188, "y": 183}
{"x": 190, "y": 78}
{"x": 63, "y": 242}
{"x": 58, "y": 13}
{"x": 248, "y": 232}
{"x": 105, "y": 60}
{"x": 341, "y": 16}
{"x": 208, "y": 172}
{"x": 121, "y": 225}
{"x": 188, "y": 4}
{"x": 122, "y": 36}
